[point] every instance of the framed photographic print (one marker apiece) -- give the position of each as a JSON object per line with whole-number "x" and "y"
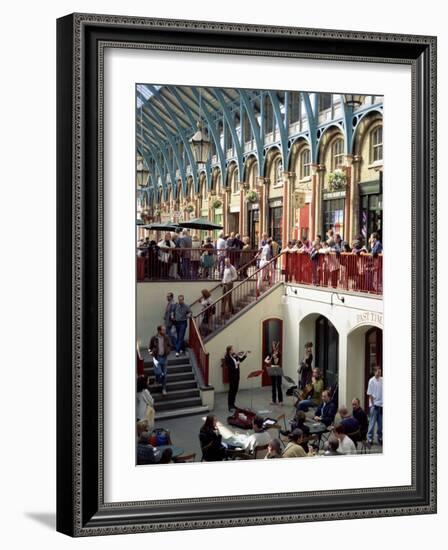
{"x": 246, "y": 274}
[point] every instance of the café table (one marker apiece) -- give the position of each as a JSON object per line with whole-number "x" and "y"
{"x": 316, "y": 428}
{"x": 177, "y": 451}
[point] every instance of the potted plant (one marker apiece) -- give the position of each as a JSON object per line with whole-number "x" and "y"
{"x": 217, "y": 203}
{"x": 252, "y": 196}
{"x": 337, "y": 179}
{"x": 189, "y": 208}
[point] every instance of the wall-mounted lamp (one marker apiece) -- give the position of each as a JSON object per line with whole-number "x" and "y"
{"x": 340, "y": 298}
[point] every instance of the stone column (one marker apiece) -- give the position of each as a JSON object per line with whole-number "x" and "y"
{"x": 225, "y": 207}
{"x": 348, "y": 196}
{"x": 288, "y": 186}
{"x": 243, "y": 210}
{"x": 261, "y": 184}
{"x": 320, "y": 180}
{"x": 314, "y": 184}
{"x": 354, "y": 197}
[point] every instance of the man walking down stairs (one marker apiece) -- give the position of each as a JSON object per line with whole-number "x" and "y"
{"x": 182, "y": 394}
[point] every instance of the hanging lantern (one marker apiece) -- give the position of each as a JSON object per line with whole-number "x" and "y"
{"x": 142, "y": 173}
{"x": 353, "y": 100}
{"x": 200, "y": 145}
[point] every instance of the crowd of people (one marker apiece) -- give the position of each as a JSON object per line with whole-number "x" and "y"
{"x": 181, "y": 255}
{"x": 328, "y": 261}
{"x": 339, "y": 430}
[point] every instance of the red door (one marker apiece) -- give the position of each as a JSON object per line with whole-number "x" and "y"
{"x": 272, "y": 332}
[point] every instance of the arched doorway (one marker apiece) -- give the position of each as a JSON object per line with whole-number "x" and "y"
{"x": 272, "y": 331}
{"x": 327, "y": 351}
{"x": 364, "y": 352}
{"x": 373, "y": 355}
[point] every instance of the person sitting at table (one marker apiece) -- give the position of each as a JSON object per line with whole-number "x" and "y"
{"x": 350, "y": 424}
{"x": 361, "y": 416}
{"x": 274, "y": 449}
{"x": 326, "y": 411}
{"x": 314, "y": 398}
{"x": 346, "y": 445}
{"x": 146, "y": 453}
{"x": 211, "y": 441}
{"x": 331, "y": 446}
{"x": 260, "y": 437}
{"x": 293, "y": 449}
{"x": 299, "y": 422}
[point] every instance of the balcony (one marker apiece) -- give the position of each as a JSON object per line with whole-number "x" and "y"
{"x": 346, "y": 271}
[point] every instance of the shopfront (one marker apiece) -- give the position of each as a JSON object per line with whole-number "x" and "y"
{"x": 371, "y": 209}
{"x": 333, "y": 212}
{"x": 275, "y": 219}
{"x": 253, "y": 223}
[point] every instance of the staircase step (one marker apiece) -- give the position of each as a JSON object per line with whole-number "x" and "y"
{"x": 177, "y": 413}
{"x": 174, "y": 386}
{"x": 171, "y": 369}
{"x": 177, "y": 403}
{"x": 171, "y": 395}
{"x": 180, "y": 377}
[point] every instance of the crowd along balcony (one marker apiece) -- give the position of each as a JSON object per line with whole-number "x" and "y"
{"x": 345, "y": 271}
{"x": 350, "y": 272}
{"x": 194, "y": 264}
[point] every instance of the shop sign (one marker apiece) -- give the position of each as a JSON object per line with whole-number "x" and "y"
{"x": 334, "y": 195}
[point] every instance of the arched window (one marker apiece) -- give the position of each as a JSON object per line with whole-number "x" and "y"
{"x": 235, "y": 179}
{"x": 376, "y": 144}
{"x": 279, "y": 172}
{"x": 203, "y": 188}
{"x": 337, "y": 153}
{"x": 305, "y": 159}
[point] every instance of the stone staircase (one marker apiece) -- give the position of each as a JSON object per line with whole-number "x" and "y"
{"x": 239, "y": 306}
{"x": 183, "y": 396}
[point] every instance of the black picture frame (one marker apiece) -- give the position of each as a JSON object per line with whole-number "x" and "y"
{"x": 81, "y": 39}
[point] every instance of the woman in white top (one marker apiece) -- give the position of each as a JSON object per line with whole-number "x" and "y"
{"x": 195, "y": 256}
{"x": 346, "y": 445}
{"x": 206, "y": 317}
{"x": 144, "y": 402}
{"x": 165, "y": 254}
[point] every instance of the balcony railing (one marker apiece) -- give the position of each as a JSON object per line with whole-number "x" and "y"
{"x": 236, "y": 296}
{"x": 346, "y": 271}
{"x": 191, "y": 264}
{"x": 202, "y": 356}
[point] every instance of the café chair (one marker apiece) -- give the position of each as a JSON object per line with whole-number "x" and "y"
{"x": 185, "y": 458}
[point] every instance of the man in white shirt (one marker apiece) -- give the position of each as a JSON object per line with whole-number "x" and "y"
{"x": 221, "y": 246}
{"x": 229, "y": 276}
{"x": 259, "y": 438}
{"x": 375, "y": 395}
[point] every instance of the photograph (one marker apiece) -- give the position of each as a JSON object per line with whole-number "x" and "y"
{"x": 259, "y": 274}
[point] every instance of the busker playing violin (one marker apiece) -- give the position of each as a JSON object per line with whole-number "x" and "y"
{"x": 232, "y": 361}
{"x": 305, "y": 370}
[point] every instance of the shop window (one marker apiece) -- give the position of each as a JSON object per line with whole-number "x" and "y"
{"x": 333, "y": 215}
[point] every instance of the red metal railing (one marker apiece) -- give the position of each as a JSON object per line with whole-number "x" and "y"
{"x": 154, "y": 263}
{"x": 197, "y": 346}
{"x": 346, "y": 271}
{"x": 238, "y": 295}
